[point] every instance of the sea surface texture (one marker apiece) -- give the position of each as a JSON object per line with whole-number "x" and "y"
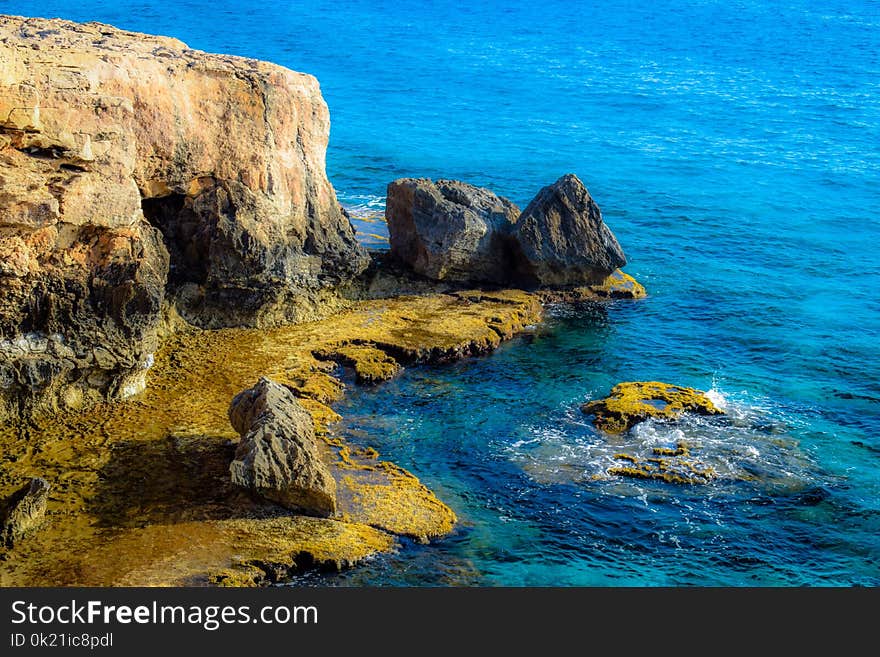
{"x": 734, "y": 148}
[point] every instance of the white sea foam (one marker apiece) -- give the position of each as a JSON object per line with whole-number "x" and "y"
{"x": 750, "y": 445}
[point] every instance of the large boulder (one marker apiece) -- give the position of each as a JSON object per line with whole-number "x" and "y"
{"x": 23, "y": 511}
{"x": 450, "y": 230}
{"x": 562, "y": 240}
{"x": 277, "y": 457}
{"x": 128, "y": 162}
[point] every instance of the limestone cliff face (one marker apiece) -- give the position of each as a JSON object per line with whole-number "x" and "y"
{"x": 132, "y": 167}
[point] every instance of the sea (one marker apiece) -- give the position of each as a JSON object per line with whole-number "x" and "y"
{"x": 734, "y": 149}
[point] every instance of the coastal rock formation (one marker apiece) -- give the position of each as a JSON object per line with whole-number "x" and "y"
{"x": 132, "y": 166}
{"x": 23, "y": 511}
{"x": 635, "y": 401}
{"x": 562, "y": 240}
{"x": 149, "y": 499}
{"x": 450, "y": 230}
{"x": 278, "y": 456}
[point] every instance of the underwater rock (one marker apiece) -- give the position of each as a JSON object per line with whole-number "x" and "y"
{"x": 561, "y": 238}
{"x": 23, "y": 511}
{"x": 672, "y": 465}
{"x": 634, "y": 401}
{"x": 450, "y": 230}
{"x": 132, "y": 166}
{"x": 278, "y": 456}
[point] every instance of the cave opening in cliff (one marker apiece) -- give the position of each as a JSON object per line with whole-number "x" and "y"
{"x": 183, "y": 234}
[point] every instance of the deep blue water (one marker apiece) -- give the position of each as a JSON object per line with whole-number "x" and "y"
{"x": 734, "y": 147}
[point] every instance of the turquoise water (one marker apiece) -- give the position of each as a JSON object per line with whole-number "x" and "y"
{"x": 734, "y": 148}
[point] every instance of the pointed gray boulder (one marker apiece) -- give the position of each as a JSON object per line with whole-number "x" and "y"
{"x": 561, "y": 239}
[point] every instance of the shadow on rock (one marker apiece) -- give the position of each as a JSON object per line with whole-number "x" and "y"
{"x": 180, "y": 478}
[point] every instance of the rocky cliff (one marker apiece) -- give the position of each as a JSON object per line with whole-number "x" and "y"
{"x": 134, "y": 168}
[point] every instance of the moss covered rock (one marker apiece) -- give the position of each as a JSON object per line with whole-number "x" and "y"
{"x": 635, "y": 401}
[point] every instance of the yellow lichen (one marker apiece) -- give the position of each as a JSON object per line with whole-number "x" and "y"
{"x": 619, "y": 285}
{"x": 672, "y": 469}
{"x": 371, "y": 365}
{"x": 635, "y": 401}
{"x": 141, "y": 492}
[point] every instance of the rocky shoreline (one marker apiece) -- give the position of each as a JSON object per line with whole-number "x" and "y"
{"x": 169, "y": 241}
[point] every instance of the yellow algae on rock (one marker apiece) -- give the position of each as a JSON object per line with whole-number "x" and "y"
{"x": 248, "y": 551}
{"x": 673, "y": 468}
{"x": 634, "y": 401}
{"x": 371, "y": 365}
{"x": 140, "y": 484}
{"x": 384, "y": 495}
{"x": 619, "y": 285}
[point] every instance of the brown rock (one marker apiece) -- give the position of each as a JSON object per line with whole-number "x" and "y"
{"x": 24, "y": 511}
{"x": 124, "y": 157}
{"x": 450, "y": 230}
{"x": 278, "y": 456}
{"x": 562, "y": 240}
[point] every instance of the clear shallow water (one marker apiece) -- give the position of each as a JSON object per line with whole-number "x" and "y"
{"x": 734, "y": 148}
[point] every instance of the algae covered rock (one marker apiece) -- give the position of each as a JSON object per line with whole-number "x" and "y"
{"x": 450, "y": 230}
{"x": 23, "y": 511}
{"x": 634, "y": 401}
{"x": 562, "y": 240}
{"x": 673, "y": 465}
{"x": 278, "y": 455}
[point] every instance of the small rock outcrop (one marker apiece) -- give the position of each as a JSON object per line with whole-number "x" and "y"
{"x": 561, "y": 239}
{"x": 450, "y": 230}
{"x": 632, "y": 402}
{"x": 131, "y": 168}
{"x": 277, "y": 457}
{"x": 23, "y": 511}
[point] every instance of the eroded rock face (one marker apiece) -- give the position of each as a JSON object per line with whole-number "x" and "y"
{"x": 278, "y": 456}
{"x": 129, "y": 161}
{"x": 562, "y": 240}
{"x": 23, "y": 511}
{"x": 450, "y": 230}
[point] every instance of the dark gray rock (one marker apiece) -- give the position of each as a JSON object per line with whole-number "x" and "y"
{"x": 278, "y": 455}
{"x": 23, "y": 511}
{"x": 561, "y": 239}
{"x": 450, "y": 230}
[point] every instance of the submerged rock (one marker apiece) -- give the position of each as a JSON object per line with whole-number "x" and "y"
{"x": 450, "y": 230}
{"x": 131, "y": 166}
{"x": 632, "y": 402}
{"x": 23, "y": 511}
{"x": 672, "y": 465}
{"x": 562, "y": 240}
{"x": 278, "y": 456}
